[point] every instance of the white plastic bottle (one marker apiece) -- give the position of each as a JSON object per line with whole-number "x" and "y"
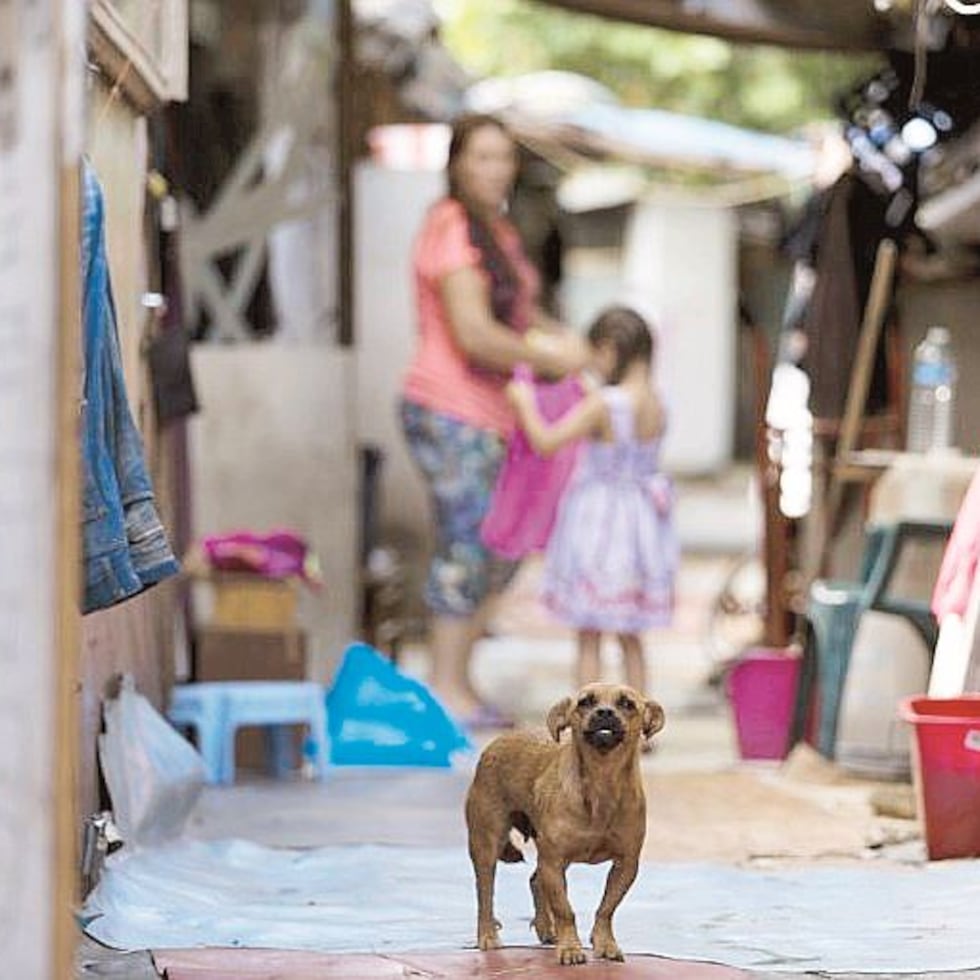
{"x": 933, "y": 393}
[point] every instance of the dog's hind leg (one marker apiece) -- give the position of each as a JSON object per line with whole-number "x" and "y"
{"x": 485, "y": 846}
{"x": 621, "y": 876}
{"x": 544, "y": 921}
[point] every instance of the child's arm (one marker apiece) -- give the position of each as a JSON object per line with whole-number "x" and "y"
{"x": 582, "y": 420}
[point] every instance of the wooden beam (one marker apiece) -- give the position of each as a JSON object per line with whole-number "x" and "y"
{"x": 145, "y": 80}
{"x": 735, "y": 20}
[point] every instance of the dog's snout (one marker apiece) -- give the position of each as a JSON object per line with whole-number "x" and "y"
{"x": 605, "y": 712}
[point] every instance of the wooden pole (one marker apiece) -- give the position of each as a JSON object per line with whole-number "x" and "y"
{"x": 344, "y": 97}
{"x": 872, "y": 324}
{"x": 67, "y": 626}
{"x": 776, "y": 528}
{"x": 67, "y": 516}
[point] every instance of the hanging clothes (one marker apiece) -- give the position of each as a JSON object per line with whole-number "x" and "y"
{"x": 846, "y": 227}
{"x": 959, "y": 565}
{"x": 124, "y": 545}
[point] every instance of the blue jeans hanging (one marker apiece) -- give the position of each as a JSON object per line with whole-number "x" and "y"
{"x": 124, "y": 544}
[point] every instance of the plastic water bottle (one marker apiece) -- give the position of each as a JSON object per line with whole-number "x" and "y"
{"x": 933, "y": 393}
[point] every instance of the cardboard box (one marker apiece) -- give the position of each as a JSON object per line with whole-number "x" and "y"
{"x": 253, "y": 602}
{"x": 229, "y": 654}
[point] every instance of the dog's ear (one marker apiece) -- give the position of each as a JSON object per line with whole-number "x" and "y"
{"x": 653, "y": 719}
{"x": 558, "y": 718}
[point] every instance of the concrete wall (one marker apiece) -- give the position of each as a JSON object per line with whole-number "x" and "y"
{"x": 390, "y": 208}
{"x": 274, "y": 447}
{"x": 680, "y": 266}
{"x": 677, "y": 263}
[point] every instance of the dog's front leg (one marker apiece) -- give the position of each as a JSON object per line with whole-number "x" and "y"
{"x": 554, "y": 889}
{"x": 621, "y": 876}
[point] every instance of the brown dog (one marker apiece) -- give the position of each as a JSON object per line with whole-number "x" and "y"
{"x": 581, "y": 799}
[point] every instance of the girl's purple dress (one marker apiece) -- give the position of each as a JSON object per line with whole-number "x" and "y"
{"x": 613, "y": 554}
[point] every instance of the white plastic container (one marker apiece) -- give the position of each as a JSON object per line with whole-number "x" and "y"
{"x": 889, "y": 662}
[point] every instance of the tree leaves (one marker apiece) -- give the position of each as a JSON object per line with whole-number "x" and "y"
{"x": 756, "y": 86}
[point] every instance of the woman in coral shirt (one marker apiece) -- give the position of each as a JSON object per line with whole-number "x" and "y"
{"x": 476, "y": 296}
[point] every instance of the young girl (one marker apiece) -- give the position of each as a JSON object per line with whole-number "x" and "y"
{"x": 611, "y": 559}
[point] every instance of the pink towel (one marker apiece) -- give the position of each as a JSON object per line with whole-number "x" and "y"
{"x": 959, "y": 565}
{"x": 525, "y": 499}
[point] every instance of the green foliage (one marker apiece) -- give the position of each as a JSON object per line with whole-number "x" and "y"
{"x": 749, "y": 85}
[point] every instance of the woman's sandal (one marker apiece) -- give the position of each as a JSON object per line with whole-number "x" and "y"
{"x": 486, "y": 718}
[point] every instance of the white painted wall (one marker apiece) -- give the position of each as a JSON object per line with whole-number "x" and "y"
{"x": 680, "y": 268}
{"x": 678, "y": 265}
{"x": 391, "y": 205}
{"x": 274, "y": 446}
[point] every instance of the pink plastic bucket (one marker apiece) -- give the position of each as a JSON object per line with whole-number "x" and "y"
{"x": 946, "y": 765}
{"x": 761, "y": 689}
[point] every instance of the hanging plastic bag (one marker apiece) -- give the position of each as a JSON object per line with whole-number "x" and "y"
{"x": 154, "y": 775}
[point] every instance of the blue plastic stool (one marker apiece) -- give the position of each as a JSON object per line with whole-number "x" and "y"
{"x": 217, "y": 709}
{"x": 201, "y": 707}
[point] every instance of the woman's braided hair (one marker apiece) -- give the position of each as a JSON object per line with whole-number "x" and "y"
{"x": 504, "y": 283}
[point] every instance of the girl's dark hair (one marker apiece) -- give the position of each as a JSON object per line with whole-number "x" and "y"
{"x": 503, "y": 277}
{"x": 629, "y": 334}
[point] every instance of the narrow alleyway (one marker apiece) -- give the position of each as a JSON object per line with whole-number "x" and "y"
{"x": 704, "y": 806}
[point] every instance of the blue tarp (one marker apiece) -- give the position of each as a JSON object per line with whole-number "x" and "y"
{"x": 372, "y": 898}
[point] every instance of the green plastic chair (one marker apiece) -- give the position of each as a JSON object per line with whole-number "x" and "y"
{"x": 834, "y": 611}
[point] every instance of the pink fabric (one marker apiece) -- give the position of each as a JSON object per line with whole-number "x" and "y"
{"x": 279, "y": 554}
{"x": 439, "y": 377}
{"x": 959, "y": 565}
{"x": 525, "y": 500}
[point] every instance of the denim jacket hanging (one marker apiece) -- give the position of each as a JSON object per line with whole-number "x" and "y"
{"x": 124, "y": 545}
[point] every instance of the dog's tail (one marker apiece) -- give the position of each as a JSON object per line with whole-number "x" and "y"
{"x": 510, "y": 854}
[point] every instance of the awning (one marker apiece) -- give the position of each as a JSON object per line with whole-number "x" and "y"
{"x": 563, "y": 109}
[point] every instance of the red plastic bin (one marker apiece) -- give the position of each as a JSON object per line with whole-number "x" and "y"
{"x": 761, "y": 688}
{"x": 946, "y": 769}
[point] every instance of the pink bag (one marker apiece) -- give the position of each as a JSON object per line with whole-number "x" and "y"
{"x": 525, "y": 499}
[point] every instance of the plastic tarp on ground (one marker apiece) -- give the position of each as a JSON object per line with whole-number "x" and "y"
{"x": 376, "y": 899}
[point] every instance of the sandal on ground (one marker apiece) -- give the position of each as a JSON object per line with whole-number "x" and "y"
{"x": 485, "y": 718}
